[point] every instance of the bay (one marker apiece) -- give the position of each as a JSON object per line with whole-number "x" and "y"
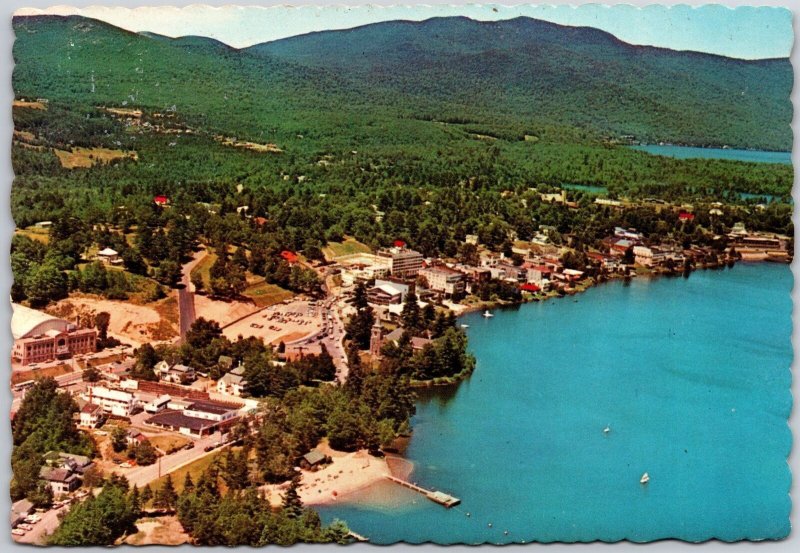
{"x": 692, "y": 376}
{"x": 691, "y": 152}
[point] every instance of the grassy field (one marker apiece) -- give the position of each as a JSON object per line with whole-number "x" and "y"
{"x": 169, "y": 442}
{"x": 339, "y": 249}
{"x": 264, "y": 294}
{"x": 35, "y": 233}
{"x": 195, "y": 468}
{"x": 86, "y": 157}
{"x": 204, "y": 268}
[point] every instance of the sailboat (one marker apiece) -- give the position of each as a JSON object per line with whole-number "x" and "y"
{"x": 487, "y": 314}
{"x": 644, "y": 479}
{"x": 606, "y": 430}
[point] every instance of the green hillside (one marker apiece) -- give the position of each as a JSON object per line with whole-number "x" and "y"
{"x": 370, "y": 84}
{"x": 535, "y": 70}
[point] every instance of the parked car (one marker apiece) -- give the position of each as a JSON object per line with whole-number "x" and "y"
{"x": 208, "y": 448}
{"x": 125, "y": 465}
{"x": 190, "y": 445}
{"x": 18, "y": 532}
{"x": 26, "y": 527}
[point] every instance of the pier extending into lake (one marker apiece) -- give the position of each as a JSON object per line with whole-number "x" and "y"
{"x": 437, "y": 497}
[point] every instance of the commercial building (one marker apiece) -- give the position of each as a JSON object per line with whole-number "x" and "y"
{"x": 196, "y": 418}
{"x": 114, "y": 402}
{"x": 405, "y": 263}
{"x": 39, "y": 337}
{"x": 444, "y": 280}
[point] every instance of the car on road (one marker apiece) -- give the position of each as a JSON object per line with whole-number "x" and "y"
{"x": 125, "y": 465}
{"x": 18, "y": 532}
{"x": 190, "y": 445}
{"x": 208, "y": 448}
{"x": 26, "y": 527}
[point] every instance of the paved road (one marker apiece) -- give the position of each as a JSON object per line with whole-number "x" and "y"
{"x": 141, "y": 476}
{"x": 186, "y": 312}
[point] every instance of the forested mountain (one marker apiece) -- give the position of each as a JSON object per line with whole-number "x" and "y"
{"x": 506, "y": 79}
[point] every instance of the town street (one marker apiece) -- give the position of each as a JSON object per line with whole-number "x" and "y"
{"x": 141, "y": 476}
{"x": 186, "y": 312}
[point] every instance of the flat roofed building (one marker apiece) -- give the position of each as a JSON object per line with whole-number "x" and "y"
{"x": 405, "y": 263}
{"x": 115, "y": 402}
{"x": 444, "y": 280}
{"x": 39, "y": 337}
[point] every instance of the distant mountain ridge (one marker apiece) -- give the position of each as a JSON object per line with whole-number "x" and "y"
{"x": 516, "y": 73}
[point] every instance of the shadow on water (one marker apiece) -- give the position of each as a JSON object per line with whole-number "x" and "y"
{"x": 440, "y": 396}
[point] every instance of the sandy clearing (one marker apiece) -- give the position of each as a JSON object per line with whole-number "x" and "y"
{"x": 224, "y": 312}
{"x": 164, "y": 530}
{"x": 129, "y": 322}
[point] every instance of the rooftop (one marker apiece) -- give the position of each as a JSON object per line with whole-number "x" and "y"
{"x": 24, "y": 320}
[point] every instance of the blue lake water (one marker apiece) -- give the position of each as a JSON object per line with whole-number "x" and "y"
{"x": 588, "y": 188}
{"x": 690, "y": 152}
{"x": 693, "y": 378}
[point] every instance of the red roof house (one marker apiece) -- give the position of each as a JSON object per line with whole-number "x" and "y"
{"x": 289, "y": 257}
{"x": 529, "y": 287}
{"x": 399, "y": 244}
{"x": 161, "y": 200}
{"x": 685, "y": 216}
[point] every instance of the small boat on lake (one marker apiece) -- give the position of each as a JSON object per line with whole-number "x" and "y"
{"x": 487, "y": 314}
{"x": 464, "y": 326}
{"x": 606, "y": 430}
{"x": 644, "y": 479}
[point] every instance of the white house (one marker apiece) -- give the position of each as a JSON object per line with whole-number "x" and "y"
{"x": 232, "y": 383}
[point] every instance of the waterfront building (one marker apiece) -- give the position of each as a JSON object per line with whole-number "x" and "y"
{"x": 444, "y": 281}
{"x": 404, "y": 262}
{"x": 39, "y": 337}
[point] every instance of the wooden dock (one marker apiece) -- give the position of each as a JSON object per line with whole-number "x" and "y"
{"x": 437, "y": 497}
{"x": 358, "y": 537}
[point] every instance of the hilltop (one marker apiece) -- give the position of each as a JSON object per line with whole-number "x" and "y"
{"x": 506, "y": 79}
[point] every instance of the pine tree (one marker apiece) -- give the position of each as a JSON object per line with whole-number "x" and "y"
{"x": 188, "y": 483}
{"x": 292, "y": 505}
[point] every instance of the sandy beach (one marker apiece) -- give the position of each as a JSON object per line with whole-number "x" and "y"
{"x": 348, "y": 473}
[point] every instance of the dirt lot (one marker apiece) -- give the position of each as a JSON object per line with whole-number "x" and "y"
{"x": 168, "y": 442}
{"x": 129, "y": 322}
{"x": 31, "y": 105}
{"x": 86, "y": 157}
{"x": 164, "y": 530}
{"x": 224, "y": 312}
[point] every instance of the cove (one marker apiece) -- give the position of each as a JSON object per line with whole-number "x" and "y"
{"x": 692, "y": 376}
